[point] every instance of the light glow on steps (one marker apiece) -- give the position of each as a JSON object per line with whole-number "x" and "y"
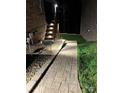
{"x": 50, "y": 28}
{"x": 49, "y": 36}
{"x": 51, "y": 24}
{"x": 50, "y": 32}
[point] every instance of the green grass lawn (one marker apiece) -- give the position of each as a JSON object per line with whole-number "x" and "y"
{"x": 87, "y": 62}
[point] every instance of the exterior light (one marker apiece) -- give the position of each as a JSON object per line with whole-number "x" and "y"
{"x": 51, "y": 24}
{"x": 49, "y": 36}
{"x": 50, "y": 32}
{"x": 55, "y": 6}
{"x": 51, "y": 28}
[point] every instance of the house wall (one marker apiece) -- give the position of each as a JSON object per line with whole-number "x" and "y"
{"x": 35, "y": 18}
{"x": 89, "y": 20}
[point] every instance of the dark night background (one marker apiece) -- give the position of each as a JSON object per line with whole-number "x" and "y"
{"x": 73, "y": 16}
{"x": 68, "y": 14}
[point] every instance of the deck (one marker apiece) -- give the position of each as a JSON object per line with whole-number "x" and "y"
{"x": 61, "y": 76}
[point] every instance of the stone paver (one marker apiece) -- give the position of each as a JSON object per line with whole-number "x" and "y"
{"x": 62, "y": 75}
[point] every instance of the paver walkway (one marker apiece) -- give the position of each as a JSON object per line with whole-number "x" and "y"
{"x": 62, "y": 75}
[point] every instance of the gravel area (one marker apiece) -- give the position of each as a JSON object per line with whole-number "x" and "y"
{"x": 35, "y": 66}
{"x": 35, "y": 62}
